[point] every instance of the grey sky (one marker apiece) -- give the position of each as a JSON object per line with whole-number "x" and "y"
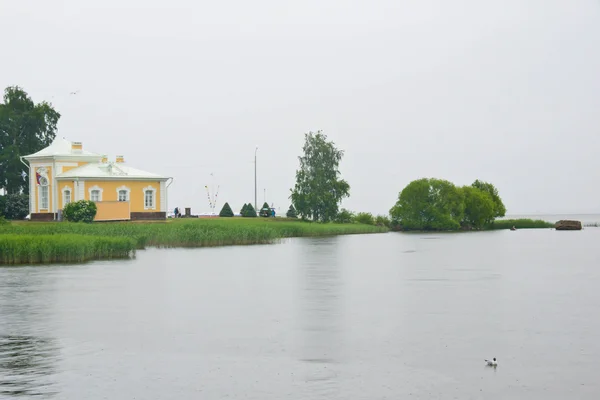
{"x": 505, "y": 91}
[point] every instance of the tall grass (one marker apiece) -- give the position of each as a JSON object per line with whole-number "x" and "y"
{"x": 522, "y": 223}
{"x": 34, "y": 249}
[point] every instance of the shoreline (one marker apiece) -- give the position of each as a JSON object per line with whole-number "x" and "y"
{"x": 27, "y": 242}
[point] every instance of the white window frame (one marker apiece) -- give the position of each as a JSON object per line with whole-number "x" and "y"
{"x": 127, "y": 190}
{"x": 99, "y": 189}
{"x": 44, "y": 189}
{"x": 64, "y": 195}
{"x": 153, "y": 190}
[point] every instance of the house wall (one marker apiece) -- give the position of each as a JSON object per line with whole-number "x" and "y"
{"x": 109, "y": 192}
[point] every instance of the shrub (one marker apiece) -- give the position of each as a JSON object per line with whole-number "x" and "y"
{"x": 344, "y": 216}
{"x": 249, "y": 211}
{"x": 3, "y": 220}
{"x": 16, "y": 206}
{"x": 364, "y": 218}
{"x": 80, "y": 211}
{"x": 2, "y": 205}
{"x": 382, "y": 220}
{"x": 226, "y": 211}
{"x": 291, "y": 212}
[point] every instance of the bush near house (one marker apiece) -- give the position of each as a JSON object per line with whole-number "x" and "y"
{"x": 226, "y": 211}
{"x": 80, "y": 211}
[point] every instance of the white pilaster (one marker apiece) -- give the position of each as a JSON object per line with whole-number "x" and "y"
{"x": 163, "y": 196}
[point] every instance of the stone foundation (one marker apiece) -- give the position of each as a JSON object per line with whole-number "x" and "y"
{"x": 42, "y": 216}
{"x": 148, "y": 216}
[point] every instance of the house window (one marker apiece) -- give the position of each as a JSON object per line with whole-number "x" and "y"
{"x": 122, "y": 194}
{"x": 66, "y": 197}
{"x": 149, "y": 199}
{"x": 95, "y": 193}
{"x": 44, "y": 197}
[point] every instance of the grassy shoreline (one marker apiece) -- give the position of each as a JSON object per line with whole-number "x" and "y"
{"x": 521, "y": 223}
{"x": 499, "y": 224}
{"x": 21, "y": 240}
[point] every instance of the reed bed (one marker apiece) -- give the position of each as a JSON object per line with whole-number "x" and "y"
{"x": 36, "y": 248}
{"x": 522, "y": 223}
{"x": 190, "y": 232}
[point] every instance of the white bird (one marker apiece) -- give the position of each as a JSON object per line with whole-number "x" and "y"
{"x": 492, "y": 363}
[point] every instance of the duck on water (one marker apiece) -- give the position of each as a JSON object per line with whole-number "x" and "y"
{"x": 492, "y": 363}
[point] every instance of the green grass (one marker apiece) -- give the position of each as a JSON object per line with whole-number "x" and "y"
{"x": 520, "y": 224}
{"x": 200, "y": 232}
{"x": 34, "y": 249}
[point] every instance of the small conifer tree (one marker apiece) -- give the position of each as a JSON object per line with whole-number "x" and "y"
{"x": 291, "y": 213}
{"x": 249, "y": 211}
{"x": 226, "y": 211}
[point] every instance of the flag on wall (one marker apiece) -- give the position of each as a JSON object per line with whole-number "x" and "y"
{"x": 37, "y": 177}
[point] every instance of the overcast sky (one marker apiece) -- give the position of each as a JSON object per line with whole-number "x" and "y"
{"x": 504, "y": 91}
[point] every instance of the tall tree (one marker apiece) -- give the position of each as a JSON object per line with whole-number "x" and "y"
{"x": 499, "y": 208}
{"x": 25, "y": 128}
{"x": 319, "y": 190}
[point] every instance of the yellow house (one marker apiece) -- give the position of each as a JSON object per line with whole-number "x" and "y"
{"x": 65, "y": 172}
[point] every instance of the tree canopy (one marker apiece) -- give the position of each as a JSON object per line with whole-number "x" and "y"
{"x": 25, "y": 128}
{"x": 499, "y": 209}
{"x": 429, "y": 204}
{"x": 319, "y": 189}
{"x": 479, "y": 208}
{"x": 437, "y": 204}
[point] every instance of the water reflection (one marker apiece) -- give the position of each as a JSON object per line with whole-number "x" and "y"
{"x": 26, "y": 363}
{"x": 27, "y": 359}
{"x": 320, "y": 316}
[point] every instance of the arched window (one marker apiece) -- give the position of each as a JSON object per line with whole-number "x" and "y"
{"x": 123, "y": 193}
{"x": 149, "y": 198}
{"x": 96, "y": 193}
{"x": 44, "y": 193}
{"x": 67, "y": 195}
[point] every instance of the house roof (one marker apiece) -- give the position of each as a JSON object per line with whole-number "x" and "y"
{"x": 108, "y": 170}
{"x": 61, "y": 147}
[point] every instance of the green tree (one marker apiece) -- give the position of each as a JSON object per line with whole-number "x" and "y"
{"x": 479, "y": 208}
{"x": 429, "y": 204}
{"x": 249, "y": 211}
{"x": 319, "y": 190}
{"x": 25, "y": 128}
{"x": 499, "y": 209}
{"x": 226, "y": 211}
{"x": 243, "y": 209}
{"x": 291, "y": 212}
{"x": 80, "y": 211}
{"x": 15, "y": 206}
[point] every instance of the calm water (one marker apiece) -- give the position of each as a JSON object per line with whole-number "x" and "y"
{"x": 386, "y": 316}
